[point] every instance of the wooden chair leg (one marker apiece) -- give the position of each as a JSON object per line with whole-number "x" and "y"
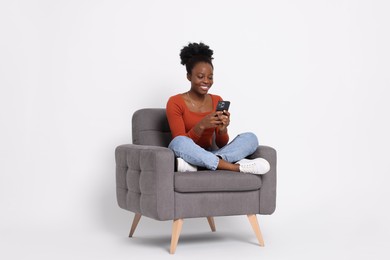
{"x": 211, "y": 223}
{"x": 256, "y": 228}
{"x": 135, "y": 223}
{"x": 176, "y": 229}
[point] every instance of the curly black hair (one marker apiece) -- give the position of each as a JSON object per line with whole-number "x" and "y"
{"x": 194, "y": 53}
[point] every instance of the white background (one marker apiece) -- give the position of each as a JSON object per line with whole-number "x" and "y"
{"x": 310, "y": 78}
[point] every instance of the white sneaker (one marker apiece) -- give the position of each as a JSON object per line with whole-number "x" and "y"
{"x": 183, "y": 166}
{"x": 255, "y": 166}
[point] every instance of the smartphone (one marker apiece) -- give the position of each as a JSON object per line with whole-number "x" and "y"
{"x": 223, "y": 105}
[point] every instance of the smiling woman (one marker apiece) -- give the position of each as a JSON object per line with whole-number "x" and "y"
{"x": 194, "y": 122}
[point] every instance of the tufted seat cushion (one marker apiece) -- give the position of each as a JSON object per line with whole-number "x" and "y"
{"x": 215, "y": 181}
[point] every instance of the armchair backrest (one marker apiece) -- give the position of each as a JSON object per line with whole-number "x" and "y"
{"x": 150, "y": 127}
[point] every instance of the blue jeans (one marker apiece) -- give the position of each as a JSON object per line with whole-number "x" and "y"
{"x": 243, "y": 145}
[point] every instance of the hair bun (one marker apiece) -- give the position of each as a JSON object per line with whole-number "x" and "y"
{"x": 193, "y": 50}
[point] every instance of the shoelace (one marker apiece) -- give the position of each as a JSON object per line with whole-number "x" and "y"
{"x": 249, "y": 167}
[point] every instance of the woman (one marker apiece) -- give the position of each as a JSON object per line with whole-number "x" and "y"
{"x": 193, "y": 121}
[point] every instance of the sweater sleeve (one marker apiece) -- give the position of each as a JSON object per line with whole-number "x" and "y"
{"x": 175, "y": 113}
{"x": 221, "y": 139}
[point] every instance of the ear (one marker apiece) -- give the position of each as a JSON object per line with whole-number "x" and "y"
{"x": 189, "y": 76}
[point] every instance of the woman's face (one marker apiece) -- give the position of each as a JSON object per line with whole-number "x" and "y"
{"x": 201, "y": 78}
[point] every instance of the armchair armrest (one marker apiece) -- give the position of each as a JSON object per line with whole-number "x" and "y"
{"x": 145, "y": 179}
{"x": 268, "y": 186}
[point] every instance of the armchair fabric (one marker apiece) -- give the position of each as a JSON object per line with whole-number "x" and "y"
{"x": 147, "y": 184}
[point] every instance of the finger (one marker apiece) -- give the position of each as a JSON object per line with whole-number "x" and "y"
{"x": 220, "y": 117}
{"x": 226, "y": 121}
{"x": 216, "y": 121}
{"x": 225, "y": 118}
{"x": 214, "y": 115}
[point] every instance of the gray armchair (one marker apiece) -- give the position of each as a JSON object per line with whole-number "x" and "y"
{"x": 147, "y": 184}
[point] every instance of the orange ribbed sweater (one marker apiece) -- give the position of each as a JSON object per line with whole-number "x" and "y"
{"x": 182, "y": 121}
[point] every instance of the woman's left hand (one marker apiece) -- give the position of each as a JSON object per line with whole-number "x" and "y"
{"x": 225, "y": 120}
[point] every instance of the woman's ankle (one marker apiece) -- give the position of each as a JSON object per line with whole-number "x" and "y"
{"x": 224, "y": 165}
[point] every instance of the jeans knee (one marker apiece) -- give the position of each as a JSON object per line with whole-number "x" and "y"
{"x": 251, "y": 137}
{"x": 251, "y": 141}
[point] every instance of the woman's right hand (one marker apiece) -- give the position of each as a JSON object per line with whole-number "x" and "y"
{"x": 211, "y": 120}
